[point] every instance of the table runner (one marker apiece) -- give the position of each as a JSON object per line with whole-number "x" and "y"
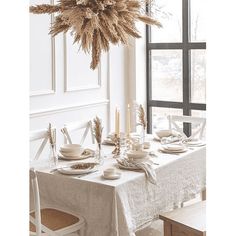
{"x": 121, "y": 207}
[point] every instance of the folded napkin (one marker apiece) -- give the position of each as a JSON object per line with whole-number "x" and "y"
{"x": 171, "y": 139}
{"x": 108, "y": 141}
{"x": 145, "y": 166}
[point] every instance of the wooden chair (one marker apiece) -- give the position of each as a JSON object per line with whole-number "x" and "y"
{"x": 40, "y": 135}
{"x": 71, "y": 127}
{"x": 201, "y": 122}
{"x": 50, "y": 221}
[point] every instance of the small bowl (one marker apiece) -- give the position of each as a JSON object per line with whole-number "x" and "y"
{"x": 110, "y": 171}
{"x": 136, "y": 154}
{"x": 163, "y": 133}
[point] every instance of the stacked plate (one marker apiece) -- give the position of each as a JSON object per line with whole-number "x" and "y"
{"x": 74, "y": 152}
{"x": 158, "y": 135}
{"x": 78, "y": 169}
{"x": 194, "y": 142}
{"x": 173, "y": 148}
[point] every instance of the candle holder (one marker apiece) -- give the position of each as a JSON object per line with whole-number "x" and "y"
{"x": 116, "y": 151}
{"x": 128, "y": 142}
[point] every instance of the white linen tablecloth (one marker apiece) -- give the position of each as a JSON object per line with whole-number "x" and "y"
{"x": 121, "y": 207}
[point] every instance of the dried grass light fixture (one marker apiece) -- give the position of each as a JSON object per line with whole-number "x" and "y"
{"x": 95, "y": 24}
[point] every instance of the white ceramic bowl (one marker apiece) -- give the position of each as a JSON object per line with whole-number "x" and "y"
{"x": 109, "y": 171}
{"x": 72, "y": 154}
{"x": 71, "y": 149}
{"x": 163, "y": 133}
{"x": 136, "y": 154}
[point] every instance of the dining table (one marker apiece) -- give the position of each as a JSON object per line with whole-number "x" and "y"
{"x": 123, "y": 206}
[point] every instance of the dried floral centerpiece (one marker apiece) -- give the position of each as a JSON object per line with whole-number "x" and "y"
{"x": 142, "y": 121}
{"x": 52, "y": 141}
{"x": 117, "y": 143}
{"x": 97, "y": 23}
{"x": 97, "y": 132}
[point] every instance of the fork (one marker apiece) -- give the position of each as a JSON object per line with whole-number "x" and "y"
{"x": 82, "y": 175}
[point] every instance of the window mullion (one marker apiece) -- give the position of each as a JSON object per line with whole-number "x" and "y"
{"x": 186, "y": 65}
{"x": 186, "y": 46}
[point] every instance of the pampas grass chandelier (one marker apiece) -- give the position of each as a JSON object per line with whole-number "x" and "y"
{"x": 94, "y": 24}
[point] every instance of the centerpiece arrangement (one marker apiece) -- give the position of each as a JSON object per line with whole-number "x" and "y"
{"x": 142, "y": 121}
{"x": 97, "y": 132}
{"x": 52, "y": 140}
{"x": 95, "y": 24}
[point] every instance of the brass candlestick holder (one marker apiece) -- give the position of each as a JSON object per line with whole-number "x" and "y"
{"x": 116, "y": 151}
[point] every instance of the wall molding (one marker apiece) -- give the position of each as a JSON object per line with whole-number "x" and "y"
{"x": 41, "y": 92}
{"x": 62, "y": 109}
{"x": 78, "y": 88}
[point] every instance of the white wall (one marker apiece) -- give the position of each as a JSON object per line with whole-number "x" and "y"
{"x": 62, "y": 87}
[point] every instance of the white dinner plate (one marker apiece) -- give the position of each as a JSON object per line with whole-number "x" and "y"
{"x": 112, "y": 177}
{"x": 81, "y": 157}
{"x": 171, "y": 151}
{"x": 68, "y": 170}
{"x": 173, "y": 147}
{"x": 194, "y": 142}
{"x": 127, "y": 167}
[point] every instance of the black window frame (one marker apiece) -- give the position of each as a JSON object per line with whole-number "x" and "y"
{"x": 186, "y": 46}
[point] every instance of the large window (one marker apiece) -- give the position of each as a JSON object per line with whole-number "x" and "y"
{"x": 176, "y": 72}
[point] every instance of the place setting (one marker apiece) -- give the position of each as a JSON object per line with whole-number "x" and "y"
{"x": 138, "y": 159}
{"x": 80, "y": 169}
{"x": 193, "y": 142}
{"x": 173, "y": 148}
{"x": 73, "y": 152}
{"x": 167, "y": 136}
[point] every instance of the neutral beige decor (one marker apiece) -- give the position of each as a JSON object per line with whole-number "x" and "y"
{"x": 97, "y": 130}
{"x": 142, "y": 117}
{"x": 95, "y": 24}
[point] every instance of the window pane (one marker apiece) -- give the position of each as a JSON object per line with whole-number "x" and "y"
{"x": 159, "y": 117}
{"x": 198, "y": 20}
{"x": 198, "y": 113}
{"x": 198, "y": 76}
{"x": 170, "y": 15}
{"x": 166, "y": 75}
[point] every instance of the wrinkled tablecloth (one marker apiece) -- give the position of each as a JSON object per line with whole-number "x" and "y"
{"x": 121, "y": 207}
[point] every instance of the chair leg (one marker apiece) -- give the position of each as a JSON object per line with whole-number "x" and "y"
{"x": 82, "y": 231}
{"x": 203, "y": 195}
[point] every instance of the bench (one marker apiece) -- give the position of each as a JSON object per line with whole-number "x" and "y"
{"x": 186, "y": 221}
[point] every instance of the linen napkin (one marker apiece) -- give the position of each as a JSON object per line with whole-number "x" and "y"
{"x": 144, "y": 166}
{"x": 171, "y": 139}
